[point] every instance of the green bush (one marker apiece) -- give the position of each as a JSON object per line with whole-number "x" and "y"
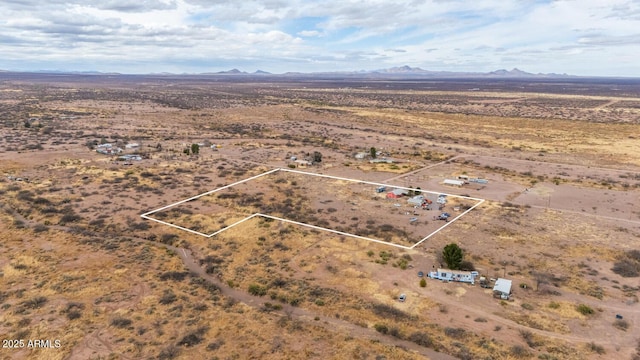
{"x": 423, "y": 282}
{"x": 121, "y": 322}
{"x": 593, "y": 347}
{"x": 381, "y": 328}
{"x": 421, "y": 338}
{"x": 257, "y": 290}
{"x": 585, "y": 309}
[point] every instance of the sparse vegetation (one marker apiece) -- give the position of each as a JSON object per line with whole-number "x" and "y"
{"x": 585, "y": 309}
{"x": 79, "y": 257}
{"x": 598, "y": 349}
{"x": 628, "y": 264}
{"x": 621, "y": 324}
{"x": 257, "y": 290}
{"x": 121, "y": 322}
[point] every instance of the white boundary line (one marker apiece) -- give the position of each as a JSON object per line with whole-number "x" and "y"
{"x": 336, "y": 231}
{"x": 208, "y": 193}
{"x": 448, "y": 223}
{"x": 146, "y": 215}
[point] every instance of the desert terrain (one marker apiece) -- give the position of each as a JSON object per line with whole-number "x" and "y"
{"x": 87, "y": 277}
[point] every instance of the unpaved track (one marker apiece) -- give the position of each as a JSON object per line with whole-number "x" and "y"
{"x": 302, "y": 314}
{"x": 94, "y": 342}
{"x": 421, "y": 169}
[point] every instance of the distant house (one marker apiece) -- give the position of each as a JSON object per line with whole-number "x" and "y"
{"x": 132, "y": 146}
{"x": 397, "y": 193}
{"x": 454, "y": 275}
{"x": 130, "y": 157}
{"x": 361, "y": 155}
{"x": 502, "y": 288}
{"x": 303, "y": 163}
{"x": 108, "y": 149}
{"x": 382, "y": 160}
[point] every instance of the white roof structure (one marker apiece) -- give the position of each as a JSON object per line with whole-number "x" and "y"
{"x": 502, "y": 286}
{"x": 418, "y": 199}
{"x": 453, "y": 182}
{"x": 400, "y": 191}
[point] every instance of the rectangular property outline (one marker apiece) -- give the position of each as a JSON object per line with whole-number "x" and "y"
{"x": 148, "y": 217}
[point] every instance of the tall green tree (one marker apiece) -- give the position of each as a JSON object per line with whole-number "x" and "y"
{"x": 373, "y": 152}
{"x": 317, "y": 157}
{"x": 195, "y": 149}
{"x": 452, "y": 255}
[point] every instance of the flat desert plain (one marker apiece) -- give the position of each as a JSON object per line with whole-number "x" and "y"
{"x": 84, "y": 276}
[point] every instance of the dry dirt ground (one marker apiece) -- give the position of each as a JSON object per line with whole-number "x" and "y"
{"x": 80, "y": 266}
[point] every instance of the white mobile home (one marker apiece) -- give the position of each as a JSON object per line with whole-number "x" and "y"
{"x": 455, "y": 275}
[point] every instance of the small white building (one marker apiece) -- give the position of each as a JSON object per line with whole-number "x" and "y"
{"x": 455, "y": 275}
{"x": 453, "y": 182}
{"x": 303, "y": 163}
{"x": 502, "y": 288}
{"x": 361, "y": 155}
{"x": 108, "y": 149}
{"x": 132, "y": 146}
{"x": 382, "y": 161}
{"x": 130, "y": 157}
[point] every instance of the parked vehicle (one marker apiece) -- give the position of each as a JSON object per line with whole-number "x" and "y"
{"x": 444, "y": 216}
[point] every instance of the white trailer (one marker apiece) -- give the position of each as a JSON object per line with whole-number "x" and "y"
{"x": 453, "y": 182}
{"x": 455, "y": 275}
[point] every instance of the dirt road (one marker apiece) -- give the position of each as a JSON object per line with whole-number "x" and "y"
{"x": 330, "y": 323}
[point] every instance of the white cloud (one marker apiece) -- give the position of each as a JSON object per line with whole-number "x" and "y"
{"x": 310, "y": 33}
{"x": 483, "y": 35}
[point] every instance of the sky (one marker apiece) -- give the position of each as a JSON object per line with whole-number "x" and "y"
{"x": 582, "y": 37}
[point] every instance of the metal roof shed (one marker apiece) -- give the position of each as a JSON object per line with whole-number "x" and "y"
{"x": 453, "y": 182}
{"x": 503, "y": 286}
{"x": 416, "y": 200}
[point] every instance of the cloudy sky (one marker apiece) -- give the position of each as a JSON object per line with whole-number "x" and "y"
{"x": 582, "y": 37}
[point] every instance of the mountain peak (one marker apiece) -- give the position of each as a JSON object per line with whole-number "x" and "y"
{"x": 512, "y": 72}
{"x": 232, "y": 71}
{"x": 401, "y": 69}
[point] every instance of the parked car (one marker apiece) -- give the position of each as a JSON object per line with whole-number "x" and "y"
{"x": 420, "y": 274}
{"x": 402, "y": 297}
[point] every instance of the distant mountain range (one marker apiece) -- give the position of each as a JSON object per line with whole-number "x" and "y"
{"x": 393, "y": 72}
{"x": 403, "y": 72}
{"x": 407, "y": 71}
